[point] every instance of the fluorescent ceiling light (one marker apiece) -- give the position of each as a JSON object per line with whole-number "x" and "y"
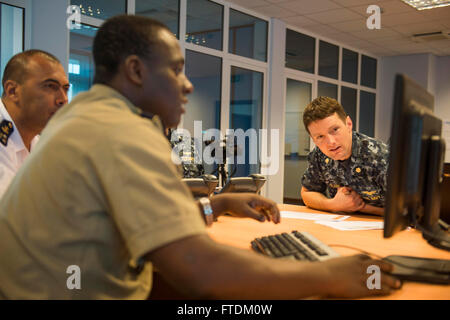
{"x": 427, "y": 4}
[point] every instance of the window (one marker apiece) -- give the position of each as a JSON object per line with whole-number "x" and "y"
{"x": 204, "y": 26}
{"x": 247, "y": 36}
{"x": 300, "y": 51}
{"x": 101, "y": 9}
{"x": 11, "y": 34}
{"x": 81, "y": 63}
{"x": 205, "y": 73}
{"x": 369, "y": 72}
{"x": 349, "y": 66}
{"x": 367, "y": 113}
{"x": 328, "y": 60}
{"x": 348, "y": 101}
{"x": 326, "y": 89}
{"x": 165, "y": 11}
{"x": 246, "y": 97}
{"x": 296, "y": 140}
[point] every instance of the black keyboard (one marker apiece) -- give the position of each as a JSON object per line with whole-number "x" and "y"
{"x": 295, "y": 245}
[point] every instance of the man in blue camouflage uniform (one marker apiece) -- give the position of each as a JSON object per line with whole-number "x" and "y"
{"x": 347, "y": 170}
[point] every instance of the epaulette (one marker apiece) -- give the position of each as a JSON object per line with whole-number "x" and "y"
{"x": 6, "y": 129}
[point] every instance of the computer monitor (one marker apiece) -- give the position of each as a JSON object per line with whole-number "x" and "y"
{"x": 415, "y": 164}
{"x": 253, "y": 183}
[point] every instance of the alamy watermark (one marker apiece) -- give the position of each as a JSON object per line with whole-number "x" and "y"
{"x": 74, "y": 280}
{"x": 374, "y": 20}
{"x": 230, "y": 147}
{"x": 74, "y": 19}
{"x": 374, "y": 280}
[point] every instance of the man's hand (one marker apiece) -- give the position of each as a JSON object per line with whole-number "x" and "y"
{"x": 245, "y": 205}
{"x": 373, "y": 210}
{"x": 348, "y": 276}
{"x": 347, "y": 200}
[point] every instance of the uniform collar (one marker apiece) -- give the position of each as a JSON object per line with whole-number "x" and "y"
{"x": 107, "y": 91}
{"x": 15, "y": 139}
{"x": 356, "y": 145}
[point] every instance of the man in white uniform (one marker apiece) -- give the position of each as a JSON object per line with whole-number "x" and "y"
{"x": 34, "y": 87}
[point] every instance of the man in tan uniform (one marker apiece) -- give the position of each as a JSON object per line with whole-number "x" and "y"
{"x": 101, "y": 199}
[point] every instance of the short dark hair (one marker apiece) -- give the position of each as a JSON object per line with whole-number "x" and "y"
{"x": 16, "y": 68}
{"x": 321, "y": 108}
{"x": 120, "y": 37}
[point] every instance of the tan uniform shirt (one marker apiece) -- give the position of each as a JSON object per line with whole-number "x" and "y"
{"x": 98, "y": 192}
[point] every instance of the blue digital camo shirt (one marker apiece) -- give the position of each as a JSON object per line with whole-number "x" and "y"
{"x": 365, "y": 171}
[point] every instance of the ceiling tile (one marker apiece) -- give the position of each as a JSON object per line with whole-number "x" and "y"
{"x": 300, "y": 21}
{"x": 397, "y": 19}
{"x": 345, "y": 38}
{"x": 274, "y": 11}
{"x": 273, "y": 1}
{"x": 335, "y": 15}
{"x": 321, "y": 29}
{"x": 389, "y": 42}
{"x": 437, "y": 13}
{"x": 410, "y": 29}
{"x": 440, "y": 44}
{"x": 352, "y": 3}
{"x": 376, "y": 34}
{"x": 351, "y": 26}
{"x": 250, "y": 3}
{"x": 387, "y": 7}
{"x": 309, "y": 6}
{"x": 412, "y": 47}
{"x": 445, "y": 23}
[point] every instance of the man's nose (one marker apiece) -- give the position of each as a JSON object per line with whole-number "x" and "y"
{"x": 331, "y": 140}
{"x": 61, "y": 98}
{"x": 188, "y": 86}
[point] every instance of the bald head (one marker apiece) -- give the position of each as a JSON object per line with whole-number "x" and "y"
{"x": 17, "y": 67}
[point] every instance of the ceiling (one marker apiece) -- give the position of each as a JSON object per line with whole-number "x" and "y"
{"x": 344, "y": 21}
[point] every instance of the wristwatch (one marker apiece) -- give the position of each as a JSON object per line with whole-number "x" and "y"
{"x": 207, "y": 210}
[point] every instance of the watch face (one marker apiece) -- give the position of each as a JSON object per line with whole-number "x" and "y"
{"x": 207, "y": 211}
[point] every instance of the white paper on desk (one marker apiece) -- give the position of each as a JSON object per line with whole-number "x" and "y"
{"x": 353, "y": 225}
{"x": 312, "y": 216}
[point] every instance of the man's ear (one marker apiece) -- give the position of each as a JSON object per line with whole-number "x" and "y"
{"x": 349, "y": 123}
{"x": 134, "y": 69}
{"x": 11, "y": 90}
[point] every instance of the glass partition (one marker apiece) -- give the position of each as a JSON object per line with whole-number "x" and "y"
{"x": 11, "y": 34}
{"x": 247, "y": 36}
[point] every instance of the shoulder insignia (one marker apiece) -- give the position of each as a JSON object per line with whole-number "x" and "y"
{"x": 6, "y": 129}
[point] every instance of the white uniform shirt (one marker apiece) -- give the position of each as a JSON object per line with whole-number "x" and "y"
{"x": 13, "y": 154}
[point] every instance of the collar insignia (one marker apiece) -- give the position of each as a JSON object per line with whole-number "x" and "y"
{"x": 6, "y": 129}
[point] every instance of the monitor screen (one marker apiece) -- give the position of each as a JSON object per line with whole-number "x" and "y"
{"x": 415, "y": 160}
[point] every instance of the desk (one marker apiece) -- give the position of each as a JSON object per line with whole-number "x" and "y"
{"x": 240, "y": 232}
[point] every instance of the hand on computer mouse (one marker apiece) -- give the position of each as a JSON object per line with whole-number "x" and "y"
{"x": 349, "y": 277}
{"x": 246, "y": 205}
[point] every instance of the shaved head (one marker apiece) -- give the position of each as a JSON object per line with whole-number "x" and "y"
{"x": 17, "y": 70}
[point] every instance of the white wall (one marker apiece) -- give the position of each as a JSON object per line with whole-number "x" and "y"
{"x": 442, "y": 87}
{"x": 429, "y": 71}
